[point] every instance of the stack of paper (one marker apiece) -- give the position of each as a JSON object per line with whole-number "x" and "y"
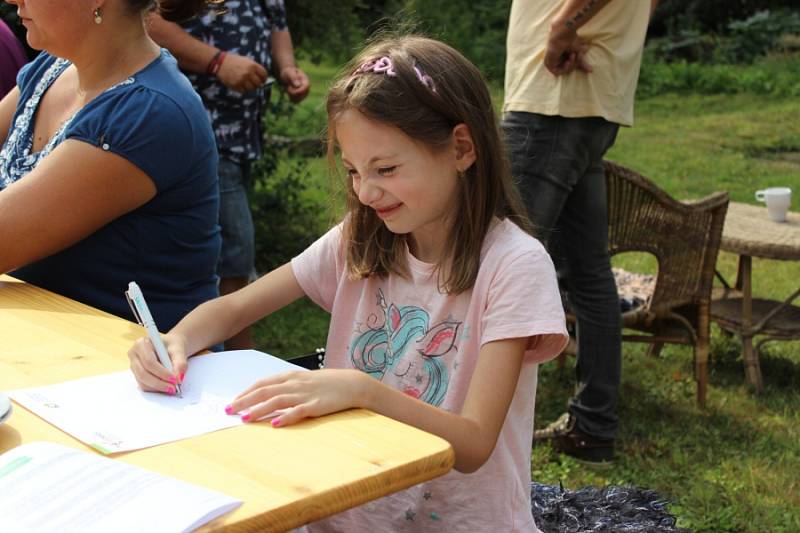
{"x": 46, "y": 487}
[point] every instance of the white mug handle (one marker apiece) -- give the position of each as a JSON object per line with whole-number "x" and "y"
{"x": 760, "y": 196}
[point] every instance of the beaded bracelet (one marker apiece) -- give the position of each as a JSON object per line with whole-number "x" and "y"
{"x": 216, "y": 62}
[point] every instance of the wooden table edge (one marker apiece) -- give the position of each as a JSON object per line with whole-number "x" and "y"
{"x": 778, "y": 252}
{"x": 297, "y": 514}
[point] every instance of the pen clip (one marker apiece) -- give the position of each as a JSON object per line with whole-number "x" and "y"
{"x": 132, "y": 304}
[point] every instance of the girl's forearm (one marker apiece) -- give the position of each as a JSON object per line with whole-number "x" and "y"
{"x": 471, "y": 443}
{"x": 472, "y": 432}
{"x": 207, "y": 325}
{"x": 223, "y": 317}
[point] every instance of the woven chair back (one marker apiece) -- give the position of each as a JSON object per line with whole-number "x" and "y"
{"x": 684, "y": 237}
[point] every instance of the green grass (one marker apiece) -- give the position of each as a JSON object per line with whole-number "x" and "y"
{"x": 735, "y": 465}
{"x": 730, "y": 467}
{"x": 693, "y": 145}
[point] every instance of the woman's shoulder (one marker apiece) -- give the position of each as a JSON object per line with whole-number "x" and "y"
{"x": 158, "y": 91}
{"x": 147, "y": 122}
{"x": 163, "y": 77}
{"x": 153, "y": 101}
{"x": 42, "y": 61}
{"x": 131, "y": 111}
{"x": 160, "y": 80}
{"x": 31, "y": 73}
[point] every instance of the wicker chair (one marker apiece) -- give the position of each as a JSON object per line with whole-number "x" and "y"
{"x": 684, "y": 237}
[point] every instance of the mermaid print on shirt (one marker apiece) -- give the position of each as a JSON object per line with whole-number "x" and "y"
{"x": 403, "y": 346}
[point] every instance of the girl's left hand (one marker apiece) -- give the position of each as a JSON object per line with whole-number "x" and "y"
{"x": 301, "y": 395}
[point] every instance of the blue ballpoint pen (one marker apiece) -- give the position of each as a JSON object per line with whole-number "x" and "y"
{"x": 142, "y": 314}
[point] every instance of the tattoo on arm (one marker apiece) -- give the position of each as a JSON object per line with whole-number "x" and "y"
{"x": 582, "y": 12}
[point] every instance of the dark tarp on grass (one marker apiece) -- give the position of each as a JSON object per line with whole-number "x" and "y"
{"x": 613, "y": 508}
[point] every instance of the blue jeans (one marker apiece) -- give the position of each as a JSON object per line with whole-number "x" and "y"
{"x": 237, "y": 257}
{"x": 557, "y": 164}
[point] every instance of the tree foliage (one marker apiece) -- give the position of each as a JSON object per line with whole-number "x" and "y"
{"x": 692, "y": 30}
{"x": 708, "y": 16}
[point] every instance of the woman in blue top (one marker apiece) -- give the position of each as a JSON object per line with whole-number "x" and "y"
{"x": 108, "y": 162}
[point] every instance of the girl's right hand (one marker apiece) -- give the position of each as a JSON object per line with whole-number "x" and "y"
{"x": 150, "y": 373}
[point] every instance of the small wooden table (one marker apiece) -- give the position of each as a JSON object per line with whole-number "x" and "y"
{"x": 750, "y": 233}
{"x": 286, "y": 477}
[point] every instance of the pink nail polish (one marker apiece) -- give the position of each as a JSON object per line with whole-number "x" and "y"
{"x": 228, "y": 410}
{"x": 182, "y": 376}
{"x": 276, "y": 422}
{"x": 171, "y": 391}
{"x": 172, "y": 380}
{"x": 246, "y": 417}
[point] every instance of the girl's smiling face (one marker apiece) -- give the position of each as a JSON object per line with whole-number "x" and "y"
{"x": 412, "y": 188}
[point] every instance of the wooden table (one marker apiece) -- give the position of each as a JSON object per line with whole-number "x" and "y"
{"x": 286, "y": 477}
{"x": 750, "y": 233}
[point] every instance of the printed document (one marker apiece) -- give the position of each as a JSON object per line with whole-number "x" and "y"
{"x": 110, "y": 413}
{"x": 47, "y": 487}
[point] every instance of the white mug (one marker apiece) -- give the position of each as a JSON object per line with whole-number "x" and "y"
{"x": 778, "y": 200}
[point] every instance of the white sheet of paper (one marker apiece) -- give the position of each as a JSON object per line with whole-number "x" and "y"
{"x": 110, "y": 413}
{"x": 47, "y": 487}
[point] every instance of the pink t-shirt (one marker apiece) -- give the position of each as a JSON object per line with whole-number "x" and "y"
{"x": 411, "y": 336}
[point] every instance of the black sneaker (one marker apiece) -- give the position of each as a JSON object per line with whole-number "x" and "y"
{"x": 585, "y": 448}
{"x": 568, "y": 439}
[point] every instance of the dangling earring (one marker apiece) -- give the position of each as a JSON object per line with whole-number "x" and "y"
{"x": 98, "y": 16}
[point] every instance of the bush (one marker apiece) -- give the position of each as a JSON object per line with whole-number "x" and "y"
{"x": 755, "y": 36}
{"x": 336, "y": 30}
{"x": 768, "y": 76}
{"x": 742, "y": 41}
{"x": 286, "y": 220}
{"x": 684, "y": 45}
{"x": 708, "y": 16}
{"x": 476, "y": 28}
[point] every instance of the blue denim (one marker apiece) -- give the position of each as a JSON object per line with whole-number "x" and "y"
{"x": 237, "y": 257}
{"x": 557, "y": 164}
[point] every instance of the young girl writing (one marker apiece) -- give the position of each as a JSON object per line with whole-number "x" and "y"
{"x": 441, "y": 306}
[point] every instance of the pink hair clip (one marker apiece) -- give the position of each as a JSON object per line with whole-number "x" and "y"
{"x": 379, "y": 66}
{"x": 384, "y": 65}
{"x": 426, "y": 80}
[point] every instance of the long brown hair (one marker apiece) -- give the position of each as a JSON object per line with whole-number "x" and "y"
{"x": 173, "y": 10}
{"x": 485, "y": 191}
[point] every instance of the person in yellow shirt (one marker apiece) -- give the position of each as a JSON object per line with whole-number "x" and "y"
{"x": 571, "y": 72}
